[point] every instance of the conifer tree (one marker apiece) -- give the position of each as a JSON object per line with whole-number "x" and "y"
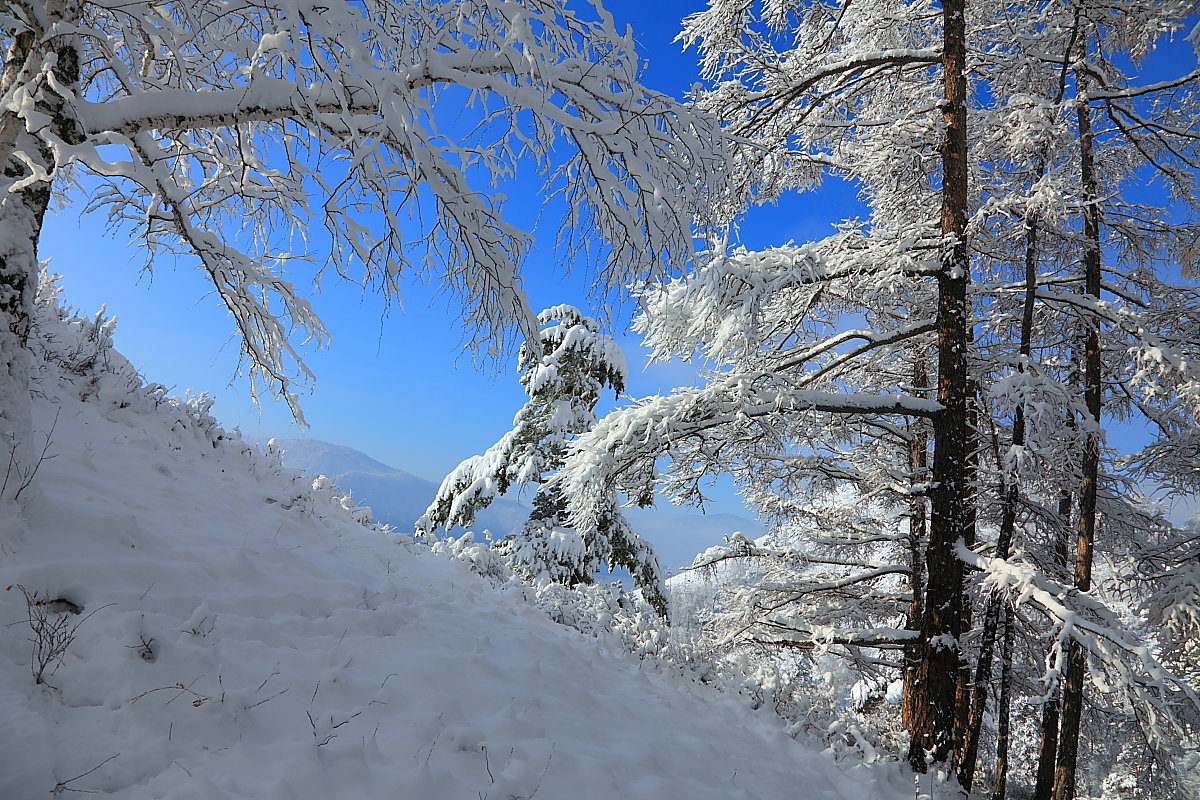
{"x": 564, "y": 375}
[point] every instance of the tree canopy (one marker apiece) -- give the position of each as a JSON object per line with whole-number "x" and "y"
{"x": 920, "y": 399}
{"x": 256, "y": 136}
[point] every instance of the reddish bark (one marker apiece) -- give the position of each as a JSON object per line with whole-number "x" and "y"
{"x": 932, "y": 716}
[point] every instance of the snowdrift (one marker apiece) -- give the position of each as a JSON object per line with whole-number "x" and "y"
{"x": 245, "y": 633}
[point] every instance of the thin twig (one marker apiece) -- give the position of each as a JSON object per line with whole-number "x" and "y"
{"x": 260, "y": 702}
{"x": 28, "y": 479}
{"x": 61, "y": 786}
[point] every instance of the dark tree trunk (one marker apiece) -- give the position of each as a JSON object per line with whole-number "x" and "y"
{"x": 963, "y": 692}
{"x": 1004, "y": 708}
{"x": 918, "y": 533}
{"x": 1048, "y": 747}
{"x": 952, "y": 516}
{"x": 1076, "y": 666}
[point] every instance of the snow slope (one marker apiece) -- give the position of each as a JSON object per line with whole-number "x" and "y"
{"x": 243, "y": 635}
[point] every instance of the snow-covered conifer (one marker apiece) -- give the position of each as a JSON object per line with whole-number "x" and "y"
{"x": 947, "y": 364}
{"x": 564, "y": 375}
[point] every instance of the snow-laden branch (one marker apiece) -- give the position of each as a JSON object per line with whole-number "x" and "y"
{"x": 823, "y": 637}
{"x": 622, "y": 448}
{"x": 263, "y": 118}
{"x": 728, "y": 306}
{"x": 1146, "y": 89}
{"x": 1121, "y": 663}
{"x": 870, "y": 340}
{"x": 841, "y": 74}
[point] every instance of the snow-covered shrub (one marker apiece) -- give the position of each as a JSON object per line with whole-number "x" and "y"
{"x": 605, "y": 611}
{"x": 481, "y": 557}
{"x": 608, "y": 610}
{"x": 324, "y": 492}
{"x": 77, "y": 351}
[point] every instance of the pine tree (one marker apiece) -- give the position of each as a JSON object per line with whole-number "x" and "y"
{"x": 564, "y": 376}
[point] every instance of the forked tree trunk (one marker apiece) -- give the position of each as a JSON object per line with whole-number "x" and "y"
{"x": 1076, "y": 666}
{"x": 952, "y": 519}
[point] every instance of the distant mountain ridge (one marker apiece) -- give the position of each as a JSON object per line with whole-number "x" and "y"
{"x": 398, "y": 497}
{"x": 307, "y": 453}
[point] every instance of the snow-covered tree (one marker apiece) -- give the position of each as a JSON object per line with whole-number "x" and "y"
{"x": 564, "y": 375}
{"x": 1091, "y": 134}
{"x": 808, "y": 87}
{"x": 954, "y": 352}
{"x": 255, "y": 136}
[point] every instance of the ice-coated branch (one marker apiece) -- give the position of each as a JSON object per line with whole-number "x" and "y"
{"x": 622, "y": 448}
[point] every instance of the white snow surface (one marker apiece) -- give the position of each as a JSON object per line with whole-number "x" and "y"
{"x": 249, "y": 638}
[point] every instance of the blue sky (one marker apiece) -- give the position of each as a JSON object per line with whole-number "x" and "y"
{"x": 396, "y": 383}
